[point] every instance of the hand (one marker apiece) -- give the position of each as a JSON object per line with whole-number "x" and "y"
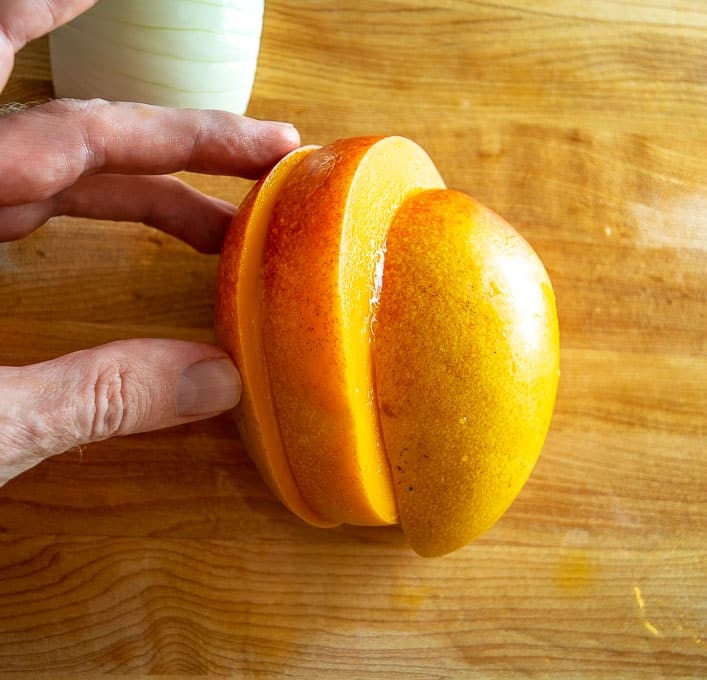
{"x": 109, "y": 161}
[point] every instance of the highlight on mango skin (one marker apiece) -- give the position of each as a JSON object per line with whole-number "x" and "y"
{"x": 398, "y": 343}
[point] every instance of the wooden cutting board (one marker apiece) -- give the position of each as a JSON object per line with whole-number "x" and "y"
{"x": 585, "y": 125}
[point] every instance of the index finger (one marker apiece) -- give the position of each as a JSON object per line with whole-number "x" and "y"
{"x": 47, "y": 148}
{"x": 25, "y": 20}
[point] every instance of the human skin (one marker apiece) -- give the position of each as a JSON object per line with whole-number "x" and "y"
{"x": 110, "y": 160}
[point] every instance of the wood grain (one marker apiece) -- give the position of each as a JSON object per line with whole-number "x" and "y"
{"x": 585, "y": 125}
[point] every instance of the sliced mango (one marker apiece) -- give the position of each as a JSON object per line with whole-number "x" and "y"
{"x": 322, "y": 270}
{"x": 398, "y": 343}
{"x": 466, "y": 365}
{"x": 238, "y": 329}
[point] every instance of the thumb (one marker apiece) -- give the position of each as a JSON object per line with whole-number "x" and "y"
{"x": 116, "y": 389}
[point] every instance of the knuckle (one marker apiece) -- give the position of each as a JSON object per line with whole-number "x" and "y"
{"x": 57, "y": 158}
{"x": 108, "y": 397}
{"x": 86, "y": 150}
{"x": 53, "y": 11}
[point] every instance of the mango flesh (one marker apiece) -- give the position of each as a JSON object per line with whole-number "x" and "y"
{"x": 397, "y": 341}
{"x": 466, "y": 366}
{"x": 325, "y": 244}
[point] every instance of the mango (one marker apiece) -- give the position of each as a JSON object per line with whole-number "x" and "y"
{"x": 466, "y": 363}
{"x": 238, "y": 327}
{"x": 398, "y": 343}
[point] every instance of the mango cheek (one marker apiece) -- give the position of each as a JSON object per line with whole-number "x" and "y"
{"x": 466, "y": 367}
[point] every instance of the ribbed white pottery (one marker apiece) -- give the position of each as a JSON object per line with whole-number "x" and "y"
{"x": 184, "y": 53}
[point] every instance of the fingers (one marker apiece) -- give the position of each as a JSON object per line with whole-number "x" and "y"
{"x": 162, "y": 201}
{"x": 117, "y": 389}
{"x": 48, "y": 148}
{"x": 24, "y": 20}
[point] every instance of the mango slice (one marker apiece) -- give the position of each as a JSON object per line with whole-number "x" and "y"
{"x": 398, "y": 343}
{"x": 466, "y": 366}
{"x": 322, "y": 269}
{"x": 238, "y": 329}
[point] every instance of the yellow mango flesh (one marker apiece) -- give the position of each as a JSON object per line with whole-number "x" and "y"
{"x": 322, "y": 269}
{"x": 466, "y": 364}
{"x": 238, "y": 329}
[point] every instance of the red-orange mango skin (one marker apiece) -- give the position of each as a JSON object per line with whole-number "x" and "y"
{"x": 238, "y": 317}
{"x": 326, "y": 236}
{"x": 301, "y": 331}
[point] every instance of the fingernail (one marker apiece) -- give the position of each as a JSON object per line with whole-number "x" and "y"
{"x": 287, "y": 130}
{"x": 207, "y": 387}
{"x": 280, "y": 123}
